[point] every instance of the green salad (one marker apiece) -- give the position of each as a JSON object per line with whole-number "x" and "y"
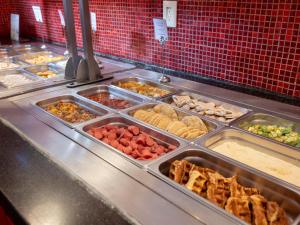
{"x": 282, "y": 134}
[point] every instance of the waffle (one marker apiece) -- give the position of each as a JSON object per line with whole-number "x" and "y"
{"x": 218, "y": 189}
{"x": 197, "y": 183}
{"x": 276, "y": 215}
{"x": 179, "y": 171}
{"x": 244, "y": 202}
{"x": 237, "y": 190}
{"x": 259, "y": 205}
{"x": 239, "y": 207}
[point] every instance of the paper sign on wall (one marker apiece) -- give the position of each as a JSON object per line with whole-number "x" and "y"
{"x": 14, "y": 27}
{"x": 62, "y": 18}
{"x": 160, "y": 29}
{"x": 93, "y": 21}
{"x": 37, "y": 13}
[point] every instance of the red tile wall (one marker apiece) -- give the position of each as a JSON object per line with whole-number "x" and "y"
{"x": 6, "y": 8}
{"x": 255, "y": 43}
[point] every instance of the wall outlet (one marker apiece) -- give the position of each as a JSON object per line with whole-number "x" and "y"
{"x": 170, "y": 13}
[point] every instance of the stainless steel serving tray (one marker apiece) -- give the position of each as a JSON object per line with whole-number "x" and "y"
{"x": 259, "y": 144}
{"x": 206, "y": 99}
{"x": 267, "y": 119}
{"x": 42, "y": 68}
{"x": 17, "y": 71}
{"x": 212, "y": 126}
{"x": 25, "y": 57}
{"x": 23, "y": 49}
{"x": 114, "y": 93}
{"x": 144, "y": 81}
{"x": 287, "y": 198}
{"x": 70, "y": 98}
{"x": 12, "y": 60}
{"x": 116, "y": 119}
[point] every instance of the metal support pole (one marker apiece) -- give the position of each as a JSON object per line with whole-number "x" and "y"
{"x": 73, "y": 61}
{"x": 85, "y": 18}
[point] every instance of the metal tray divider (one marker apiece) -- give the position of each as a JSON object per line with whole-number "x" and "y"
{"x": 217, "y": 125}
{"x": 139, "y": 163}
{"x": 153, "y": 169}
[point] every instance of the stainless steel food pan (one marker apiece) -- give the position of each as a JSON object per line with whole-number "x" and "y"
{"x": 267, "y": 119}
{"x": 20, "y": 72}
{"x": 69, "y": 98}
{"x": 203, "y": 98}
{"x": 13, "y": 60}
{"x": 114, "y": 93}
{"x": 125, "y": 122}
{"x": 144, "y": 81}
{"x": 287, "y": 198}
{"x": 259, "y": 145}
{"x": 212, "y": 126}
{"x": 29, "y": 56}
{"x": 42, "y": 68}
{"x": 23, "y": 49}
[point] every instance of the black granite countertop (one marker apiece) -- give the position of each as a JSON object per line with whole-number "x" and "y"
{"x": 36, "y": 187}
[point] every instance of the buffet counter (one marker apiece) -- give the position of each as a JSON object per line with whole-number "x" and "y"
{"x": 179, "y": 153}
{"x": 27, "y": 67}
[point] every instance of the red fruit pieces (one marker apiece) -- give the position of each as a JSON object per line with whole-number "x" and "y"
{"x": 141, "y": 140}
{"x": 91, "y": 132}
{"x": 115, "y": 143}
{"x": 128, "y": 150}
{"x": 98, "y": 135}
{"x": 127, "y": 135}
{"x": 120, "y": 131}
{"x": 124, "y": 142}
{"x": 112, "y": 136}
{"x": 149, "y": 141}
{"x": 134, "y": 130}
{"x": 131, "y": 141}
{"x": 111, "y": 127}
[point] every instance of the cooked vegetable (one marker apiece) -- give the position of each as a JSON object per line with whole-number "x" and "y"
{"x": 144, "y": 89}
{"x": 279, "y": 133}
{"x": 70, "y": 112}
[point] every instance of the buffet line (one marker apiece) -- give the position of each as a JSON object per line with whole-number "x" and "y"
{"x": 242, "y": 161}
{"x": 28, "y": 67}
